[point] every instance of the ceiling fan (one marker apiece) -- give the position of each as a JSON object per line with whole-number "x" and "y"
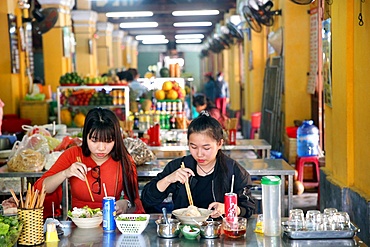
{"x": 252, "y": 22}
{"x": 234, "y": 31}
{"x": 303, "y": 2}
{"x": 44, "y": 19}
{"x": 258, "y": 13}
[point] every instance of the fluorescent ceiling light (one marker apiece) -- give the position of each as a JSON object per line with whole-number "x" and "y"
{"x": 193, "y": 24}
{"x": 195, "y": 12}
{"x": 143, "y": 37}
{"x": 130, "y": 14}
{"x": 153, "y": 42}
{"x": 189, "y": 36}
{"x": 188, "y": 41}
{"x": 138, "y": 24}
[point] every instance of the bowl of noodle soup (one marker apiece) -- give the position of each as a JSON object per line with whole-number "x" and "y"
{"x": 191, "y": 215}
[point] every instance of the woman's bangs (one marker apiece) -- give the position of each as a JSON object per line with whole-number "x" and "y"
{"x": 102, "y": 134}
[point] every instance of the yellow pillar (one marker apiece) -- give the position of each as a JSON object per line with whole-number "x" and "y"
{"x": 117, "y": 48}
{"x": 234, "y": 76}
{"x": 57, "y": 43}
{"x": 134, "y": 54}
{"x": 127, "y": 52}
{"x": 104, "y": 48}
{"x": 13, "y": 84}
{"x": 84, "y": 24}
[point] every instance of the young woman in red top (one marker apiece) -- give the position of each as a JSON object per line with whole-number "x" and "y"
{"x": 102, "y": 159}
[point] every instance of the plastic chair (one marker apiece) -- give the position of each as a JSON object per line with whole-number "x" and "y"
{"x": 255, "y": 123}
{"x": 299, "y": 166}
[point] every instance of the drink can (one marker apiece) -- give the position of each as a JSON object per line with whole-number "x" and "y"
{"x": 109, "y": 239}
{"x": 231, "y": 205}
{"x": 109, "y": 212}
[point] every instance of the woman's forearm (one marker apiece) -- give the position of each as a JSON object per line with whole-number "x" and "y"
{"x": 163, "y": 184}
{"x": 51, "y": 183}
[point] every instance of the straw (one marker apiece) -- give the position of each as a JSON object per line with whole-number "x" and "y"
{"x": 87, "y": 182}
{"x": 232, "y": 184}
{"x": 105, "y": 190}
{"x": 188, "y": 192}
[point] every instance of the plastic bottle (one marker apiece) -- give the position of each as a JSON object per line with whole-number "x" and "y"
{"x": 307, "y": 139}
{"x": 271, "y": 205}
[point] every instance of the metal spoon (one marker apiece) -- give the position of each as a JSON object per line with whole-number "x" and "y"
{"x": 164, "y": 210}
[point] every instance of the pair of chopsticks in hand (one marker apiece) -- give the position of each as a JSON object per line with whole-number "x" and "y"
{"x": 33, "y": 200}
{"x": 187, "y": 187}
{"x": 87, "y": 182}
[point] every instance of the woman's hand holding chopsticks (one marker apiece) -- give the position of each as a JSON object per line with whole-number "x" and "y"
{"x": 180, "y": 175}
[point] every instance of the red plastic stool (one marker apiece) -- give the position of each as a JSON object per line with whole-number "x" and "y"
{"x": 299, "y": 166}
{"x": 255, "y": 123}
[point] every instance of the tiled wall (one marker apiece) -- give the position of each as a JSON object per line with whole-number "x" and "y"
{"x": 348, "y": 200}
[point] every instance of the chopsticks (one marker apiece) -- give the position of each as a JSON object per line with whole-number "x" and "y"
{"x": 188, "y": 192}
{"x": 87, "y": 182}
{"x": 34, "y": 199}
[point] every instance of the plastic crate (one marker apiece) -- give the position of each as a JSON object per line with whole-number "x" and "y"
{"x": 290, "y": 149}
{"x": 36, "y": 111}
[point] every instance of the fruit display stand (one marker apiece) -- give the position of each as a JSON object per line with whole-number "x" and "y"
{"x": 73, "y": 102}
{"x": 157, "y": 83}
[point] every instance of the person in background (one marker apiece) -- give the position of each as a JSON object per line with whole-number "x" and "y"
{"x": 207, "y": 169}
{"x": 135, "y": 85}
{"x": 209, "y": 86}
{"x": 222, "y": 93}
{"x": 202, "y": 103}
{"x": 103, "y": 161}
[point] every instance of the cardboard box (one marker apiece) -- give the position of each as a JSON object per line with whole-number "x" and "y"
{"x": 36, "y": 111}
{"x": 290, "y": 149}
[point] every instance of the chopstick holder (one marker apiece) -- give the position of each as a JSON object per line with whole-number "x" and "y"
{"x": 187, "y": 187}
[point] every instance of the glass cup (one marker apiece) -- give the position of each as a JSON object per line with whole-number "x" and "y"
{"x": 330, "y": 211}
{"x": 234, "y": 227}
{"x": 296, "y": 219}
{"x": 313, "y": 220}
{"x": 341, "y": 221}
{"x": 328, "y": 223}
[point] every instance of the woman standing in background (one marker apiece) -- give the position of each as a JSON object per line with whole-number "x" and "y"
{"x": 222, "y": 93}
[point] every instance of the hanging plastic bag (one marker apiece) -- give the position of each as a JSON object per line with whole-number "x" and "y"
{"x": 29, "y": 154}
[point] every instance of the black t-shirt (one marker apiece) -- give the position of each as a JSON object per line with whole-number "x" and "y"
{"x": 203, "y": 196}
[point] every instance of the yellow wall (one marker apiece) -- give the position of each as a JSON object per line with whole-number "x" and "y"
{"x": 346, "y": 123}
{"x": 13, "y": 86}
{"x": 296, "y": 26}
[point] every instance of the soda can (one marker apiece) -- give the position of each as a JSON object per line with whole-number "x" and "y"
{"x": 231, "y": 205}
{"x": 109, "y": 212}
{"x": 109, "y": 239}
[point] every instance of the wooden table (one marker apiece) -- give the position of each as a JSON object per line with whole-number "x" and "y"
{"x": 257, "y": 167}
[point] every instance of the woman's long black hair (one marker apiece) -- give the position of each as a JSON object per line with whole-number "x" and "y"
{"x": 103, "y": 125}
{"x": 209, "y": 126}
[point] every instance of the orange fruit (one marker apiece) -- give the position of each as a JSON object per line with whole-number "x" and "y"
{"x": 167, "y": 86}
{"x": 172, "y": 94}
{"x": 160, "y": 95}
{"x": 79, "y": 120}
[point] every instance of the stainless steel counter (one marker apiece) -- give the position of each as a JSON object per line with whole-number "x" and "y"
{"x": 258, "y": 167}
{"x": 258, "y": 145}
{"x": 96, "y": 237}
